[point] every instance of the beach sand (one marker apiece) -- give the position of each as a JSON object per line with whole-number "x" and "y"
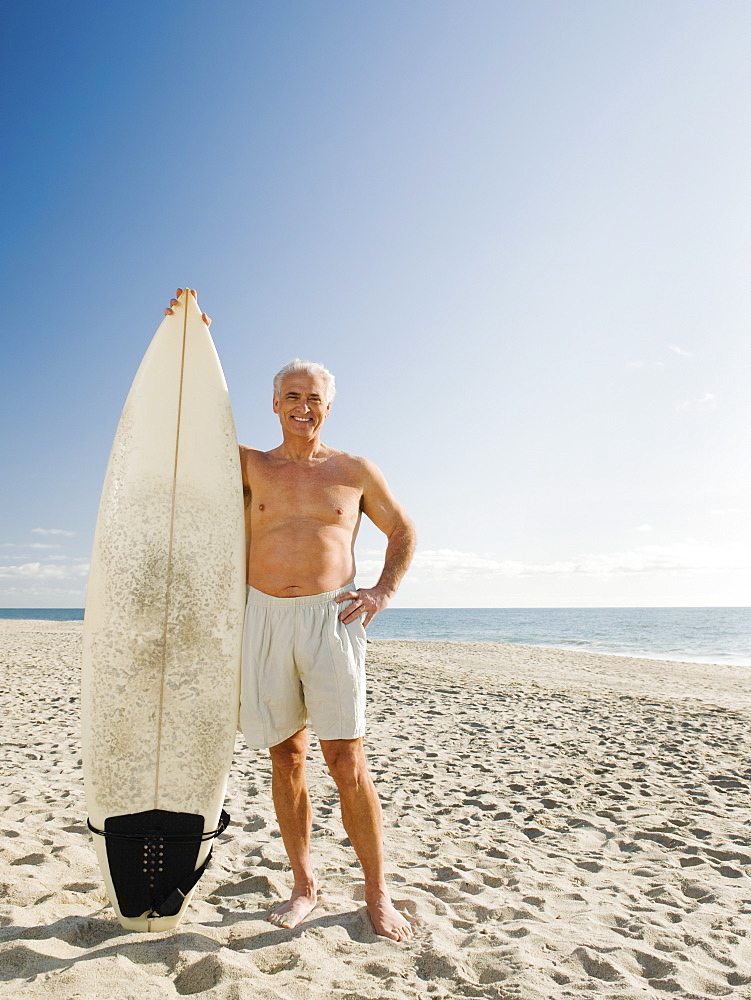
{"x": 559, "y": 824}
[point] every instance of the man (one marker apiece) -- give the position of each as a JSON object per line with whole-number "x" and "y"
{"x": 304, "y": 642}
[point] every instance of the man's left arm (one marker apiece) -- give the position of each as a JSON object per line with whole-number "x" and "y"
{"x": 380, "y": 505}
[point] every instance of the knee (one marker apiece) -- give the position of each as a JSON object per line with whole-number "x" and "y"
{"x": 289, "y": 757}
{"x": 348, "y": 770}
{"x": 288, "y": 766}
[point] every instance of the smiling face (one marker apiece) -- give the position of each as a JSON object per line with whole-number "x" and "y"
{"x": 301, "y": 404}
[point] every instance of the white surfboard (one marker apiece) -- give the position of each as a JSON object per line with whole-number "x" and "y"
{"x": 163, "y": 628}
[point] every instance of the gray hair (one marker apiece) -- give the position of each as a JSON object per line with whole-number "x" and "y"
{"x": 309, "y": 368}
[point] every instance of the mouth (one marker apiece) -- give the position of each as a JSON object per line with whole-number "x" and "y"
{"x": 303, "y": 420}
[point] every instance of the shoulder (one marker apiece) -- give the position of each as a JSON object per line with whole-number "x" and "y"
{"x": 254, "y": 458}
{"x": 250, "y": 454}
{"x": 251, "y": 462}
{"x": 372, "y": 481}
{"x": 357, "y": 466}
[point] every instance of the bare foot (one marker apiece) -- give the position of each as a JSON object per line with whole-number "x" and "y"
{"x": 296, "y": 909}
{"x": 387, "y": 920}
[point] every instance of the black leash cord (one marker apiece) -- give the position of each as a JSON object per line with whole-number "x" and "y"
{"x": 165, "y": 838}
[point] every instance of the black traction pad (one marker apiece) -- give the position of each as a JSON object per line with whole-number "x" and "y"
{"x": 150, "y": 854}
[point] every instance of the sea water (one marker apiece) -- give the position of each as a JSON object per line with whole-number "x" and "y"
{"x": 43, "y": 614}
{"x": 712, "y": 635}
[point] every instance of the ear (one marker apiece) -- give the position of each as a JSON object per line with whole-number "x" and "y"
{"x": 328, "y": 409}
{"x": 275, "y": 404}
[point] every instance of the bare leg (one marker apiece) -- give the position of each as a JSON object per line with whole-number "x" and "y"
{"x": 289, "y": 789}
{"x": 362, "y": 818}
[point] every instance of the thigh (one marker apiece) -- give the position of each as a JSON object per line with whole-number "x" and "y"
{"x": 332, "y": 669}
{"x": 271, "y": 700}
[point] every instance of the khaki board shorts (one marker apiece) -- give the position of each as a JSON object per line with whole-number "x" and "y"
{"x": 301, "y": 664}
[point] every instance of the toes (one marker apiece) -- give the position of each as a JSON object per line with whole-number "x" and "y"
{"x": 278, "y": 921}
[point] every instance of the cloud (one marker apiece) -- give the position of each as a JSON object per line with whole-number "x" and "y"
{"x": 685, "y": 556}
{"x": 645, "y": 365}
{"x": 706, "y": 402}
{"x": 632, "y": 365}
{"x": 644, "y": 528}
{"x": 31, "y": 545}
{"x": 53, "y": 531}
{"x": 678, "y": 557}
{"x": 43, "y": 571}
{"x": 43, "y": 594}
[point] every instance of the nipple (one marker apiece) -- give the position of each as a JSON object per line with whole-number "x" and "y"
{"x": 261, "y": 506}
{"x": 339, "y": 510}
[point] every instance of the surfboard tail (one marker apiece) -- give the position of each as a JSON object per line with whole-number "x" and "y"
{"x": 153, "y": 861}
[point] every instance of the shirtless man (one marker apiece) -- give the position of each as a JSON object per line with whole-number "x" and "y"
{"x": 304, "y": 643}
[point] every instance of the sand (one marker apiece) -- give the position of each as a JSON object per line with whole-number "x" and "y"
{"x": 560, "y": 824}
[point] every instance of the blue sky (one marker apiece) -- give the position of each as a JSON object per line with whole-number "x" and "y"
{"x": 518, "y": 233}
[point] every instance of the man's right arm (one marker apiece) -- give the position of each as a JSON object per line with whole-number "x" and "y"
{"x": 245, "y": 470}
{"x": 245, "y": 460}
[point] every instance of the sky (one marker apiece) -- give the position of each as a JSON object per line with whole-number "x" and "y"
{"x": 519, "y": 234}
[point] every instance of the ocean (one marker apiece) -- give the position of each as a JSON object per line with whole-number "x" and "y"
{"x": 710, "y": 635}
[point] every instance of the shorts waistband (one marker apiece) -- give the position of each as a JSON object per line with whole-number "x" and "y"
{"x": 261, "y": 600}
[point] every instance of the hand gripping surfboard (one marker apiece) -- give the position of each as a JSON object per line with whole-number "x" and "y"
{"x": 163, "y": 628}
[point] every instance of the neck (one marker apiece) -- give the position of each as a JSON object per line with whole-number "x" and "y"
{"x": 301, "y": 450}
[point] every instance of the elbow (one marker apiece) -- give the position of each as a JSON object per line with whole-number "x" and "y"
{"x": 405, "y": 532}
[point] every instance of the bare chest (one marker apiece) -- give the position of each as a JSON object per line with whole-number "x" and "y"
{"x": 284, "y": 492}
